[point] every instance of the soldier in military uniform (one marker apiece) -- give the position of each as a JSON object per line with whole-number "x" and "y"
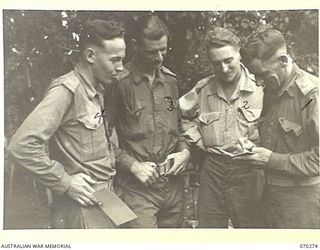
{"x": 147, "y": 125}
{"x": 224, "y": 108}
{"x": 289, "y": 131}
{"x": 70, "y": 120}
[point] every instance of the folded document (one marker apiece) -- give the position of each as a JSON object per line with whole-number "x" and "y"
{"x": 113, "y": 210}
{"x": 231, "y": 154}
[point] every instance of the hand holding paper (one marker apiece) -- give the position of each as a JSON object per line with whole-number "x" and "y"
{"x": 260, "y": 156}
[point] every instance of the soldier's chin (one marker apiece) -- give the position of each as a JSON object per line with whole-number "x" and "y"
{"x": 260, "y": 84}
{"x": 108, "y": 82}
{"x": 157, "y": 64}
{"x": 228, "y": 79}
{"x": 272, "y": 86}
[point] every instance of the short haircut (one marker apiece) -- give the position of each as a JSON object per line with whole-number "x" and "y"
{"x": 262, "y": 45}
{"x": 220, "y": 37}
{"x": 96, "y": 31}
{"x": 150, "y": 27}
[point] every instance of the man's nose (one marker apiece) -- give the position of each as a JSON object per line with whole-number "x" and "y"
{"x": 259, "y": 81}
{"x": 159, "y": 56}
{"x": 119, "y": 66}
{"x": 224, "y": 67}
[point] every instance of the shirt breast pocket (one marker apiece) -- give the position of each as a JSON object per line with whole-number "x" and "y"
{"x": 292, "y": 133}
{"x": 210, "y": 128}
{"x": 171, "y": 116}
{"x": 92, "y": 138}
{"x": 247, "y": 123}
{"x": 134, "y": 121}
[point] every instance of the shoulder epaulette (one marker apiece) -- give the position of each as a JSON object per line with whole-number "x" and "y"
{"x": 248, "y": 74}
{"x": 306, "y": 82}
{"x": 69, "y": 80}
{"x": 167, "y": 71}
{"x": 251, "y": 77}
{"x": 203, "y": 82}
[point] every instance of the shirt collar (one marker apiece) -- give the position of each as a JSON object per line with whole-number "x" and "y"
{"x": 90, "y": 90}
{"x": 247, "y": 81}
{"x": 138, "y": 75}
{"x": 288, "y": 85}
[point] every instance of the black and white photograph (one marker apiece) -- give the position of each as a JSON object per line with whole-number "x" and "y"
{"x": 161, "y": 119}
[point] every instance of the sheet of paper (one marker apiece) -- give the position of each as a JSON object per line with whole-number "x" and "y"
{"x": 114, "y": 207}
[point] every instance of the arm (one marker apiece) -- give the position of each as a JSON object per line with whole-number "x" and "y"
{"x": 189, "y": 106}
{"x": 182, "y": 140}
{"x": 305, "y": 163}
{"x": 145, "y": 172}
{"x": 27, "y": 146}
{"x": 28, "y": 149}
{"x": 301, "y": 164}
{"x": 182, "y": 155}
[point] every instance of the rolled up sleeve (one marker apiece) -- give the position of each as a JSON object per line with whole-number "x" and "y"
{"x": 189, "y": 105}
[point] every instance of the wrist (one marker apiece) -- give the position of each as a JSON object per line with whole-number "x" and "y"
{"x": 133, "y": 167}
{"x": 269, "y": 153}
{"x": 186, "y": 153}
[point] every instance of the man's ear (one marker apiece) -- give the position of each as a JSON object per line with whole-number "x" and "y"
{"x": 284, "y": 60}
{"x": 90, "y": 55}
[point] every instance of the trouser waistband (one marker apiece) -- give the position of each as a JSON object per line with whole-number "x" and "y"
{"x": 99, "y": 185}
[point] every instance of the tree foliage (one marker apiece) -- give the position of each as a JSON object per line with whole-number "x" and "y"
{"x": 41, "y": 45}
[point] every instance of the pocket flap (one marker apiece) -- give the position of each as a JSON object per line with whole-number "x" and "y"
{"x": 137, "y": 111}
{"x": 91, "y": 121}
{"x": 250, "y": 114}
{"x": 208, "y": 118}
{"x": 288, "y": 126}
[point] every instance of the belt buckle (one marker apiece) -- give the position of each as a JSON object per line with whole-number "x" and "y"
{"x": 103, "y": 184}
{"x": 164, "y": 167}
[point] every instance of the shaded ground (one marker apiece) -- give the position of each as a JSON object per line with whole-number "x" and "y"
{"x": 26, "y": 203}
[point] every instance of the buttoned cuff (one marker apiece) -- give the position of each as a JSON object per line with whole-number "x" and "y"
{"x": 126, "y": 161}
{"x": 193, "y": 135}
{"x": 182, "y": 145}
{"x": 278, "y": 161}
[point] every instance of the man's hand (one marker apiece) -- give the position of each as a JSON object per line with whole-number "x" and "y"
{"x": 145, "y": 172}
{"x": 260, "y": 157}
{"x": 180, "y": 161}
{"x": 81, "y": 191}
{"x": 245, "y": 143}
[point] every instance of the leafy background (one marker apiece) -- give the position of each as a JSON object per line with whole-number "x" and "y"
{"x": 42, "y": 45}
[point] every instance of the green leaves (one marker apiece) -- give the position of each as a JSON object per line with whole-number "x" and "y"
{"x": 46, "y": 42}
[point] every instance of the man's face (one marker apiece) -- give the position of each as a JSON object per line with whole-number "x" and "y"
{"x": 108, "y": 60}
{"x": 268, "y": 73}
{"x": 225, "y": 62}
{"x": 151, "y": 53}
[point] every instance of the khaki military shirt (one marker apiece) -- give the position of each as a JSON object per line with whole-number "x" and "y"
{"x": 69, "y": 116}
{"x": 289, "y": 127}
{"x": 217, "y": 121}
{"x": 148, "y": 115}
